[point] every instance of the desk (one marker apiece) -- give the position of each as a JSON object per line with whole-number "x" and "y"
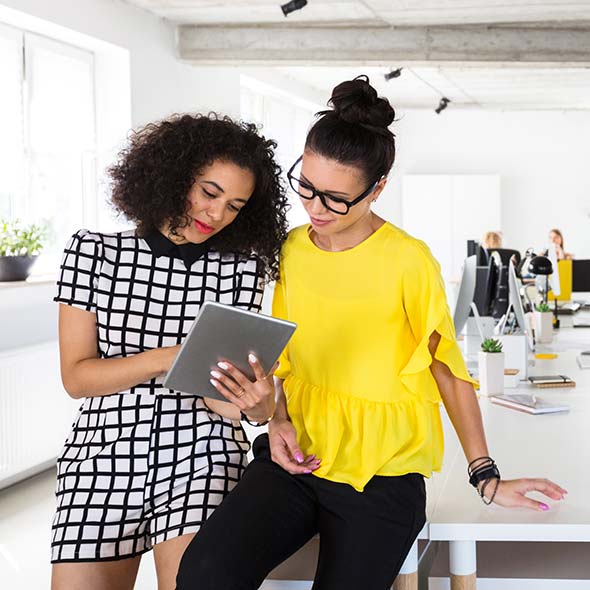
{"x": 523, "y": 445}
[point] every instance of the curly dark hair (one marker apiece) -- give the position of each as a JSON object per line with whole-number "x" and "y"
{"x": 153, "y": 175}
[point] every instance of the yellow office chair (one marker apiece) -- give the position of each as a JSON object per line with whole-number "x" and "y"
{"x": 564, "y": 270}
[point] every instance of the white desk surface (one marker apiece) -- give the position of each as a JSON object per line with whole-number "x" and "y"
{"x": 555, "y": 446}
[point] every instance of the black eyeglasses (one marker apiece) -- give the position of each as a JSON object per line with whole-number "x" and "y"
{"x": 335, "y": 204}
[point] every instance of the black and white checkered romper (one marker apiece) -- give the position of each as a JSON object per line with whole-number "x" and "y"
{"x": 146, "y": 464}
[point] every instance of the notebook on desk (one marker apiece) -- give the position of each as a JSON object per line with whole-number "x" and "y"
{"x": 568, "y": 308}
{"x": 528, "y": 403}
{"x": 544, "y": 381}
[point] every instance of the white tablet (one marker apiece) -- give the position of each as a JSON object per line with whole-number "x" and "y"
{"x": 225, "y": 333}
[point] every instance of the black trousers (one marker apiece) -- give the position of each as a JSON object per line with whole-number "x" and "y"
{"x": 364, "y": 536}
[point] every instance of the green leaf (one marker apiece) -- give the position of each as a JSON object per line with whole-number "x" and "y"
{"x": 17, "y": 239}
{"x": 491, "y": 345}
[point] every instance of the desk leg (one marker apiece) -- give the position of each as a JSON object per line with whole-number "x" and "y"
{"x": 407, "y": 579}
{"x": 462, "y": 565}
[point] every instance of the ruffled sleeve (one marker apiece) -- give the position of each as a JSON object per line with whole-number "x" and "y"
{"x": 77, "y": 284}
{"x": 279, "y": 310}
{"x": 427, "y": 310}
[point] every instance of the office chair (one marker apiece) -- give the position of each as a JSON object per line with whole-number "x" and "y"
{"x": 505, "y": 254}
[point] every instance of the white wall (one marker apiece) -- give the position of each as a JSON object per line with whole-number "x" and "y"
{"x": 541, "y": 157}
{"x": 160, "y": 84}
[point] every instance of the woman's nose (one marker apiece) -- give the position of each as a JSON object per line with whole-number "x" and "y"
{"x": 215, "y": 210}
{"x": 316, "y": 205}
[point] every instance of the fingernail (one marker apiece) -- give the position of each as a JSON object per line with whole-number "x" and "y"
{"x": 216, "y": 374}
{"x": 223, "y": 366}
{"x": 543, "y": 507}
{"x": 213, "y": 382}
{"x": 307, "y": 471}
{"x": 252, "y": 358}
{"x": 299, "y": 457}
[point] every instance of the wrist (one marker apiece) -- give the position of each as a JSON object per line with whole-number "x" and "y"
{"x": 158, "y": 361}
{"x": 255, "y": 421}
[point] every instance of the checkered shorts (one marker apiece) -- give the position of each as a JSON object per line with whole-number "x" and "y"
{"x": 138, "y": 470}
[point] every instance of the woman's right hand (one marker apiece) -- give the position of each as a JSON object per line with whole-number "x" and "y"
{"x": 285, "y": 451}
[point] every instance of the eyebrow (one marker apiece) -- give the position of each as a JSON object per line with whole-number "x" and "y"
{"x": 328, "y": 191}
{"x": 221, "y": 190}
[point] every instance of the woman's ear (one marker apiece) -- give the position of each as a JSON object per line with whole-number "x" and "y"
{"x": 378, "y": 189}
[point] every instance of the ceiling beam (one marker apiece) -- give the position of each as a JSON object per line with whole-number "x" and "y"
{"x": 280, "y": 45}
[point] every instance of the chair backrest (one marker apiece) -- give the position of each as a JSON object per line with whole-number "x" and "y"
{"x": 506, "y": 254}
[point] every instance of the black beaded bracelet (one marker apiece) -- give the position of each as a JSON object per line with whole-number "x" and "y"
{"x": 244, "y": 418}
{"x": 484, "y": 469}
{"x": 487, "y": 472}
{"x": 488, "y": 501}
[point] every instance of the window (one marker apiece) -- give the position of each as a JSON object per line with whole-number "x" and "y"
{"x": 47, "y": 144}
{"x": 286, "y": 122}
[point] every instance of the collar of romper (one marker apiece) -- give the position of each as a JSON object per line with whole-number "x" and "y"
{"x": 160, "y": 245}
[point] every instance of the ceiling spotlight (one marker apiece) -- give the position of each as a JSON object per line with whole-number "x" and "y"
{"x": 393, "y": 74}
{"x": 293, "y": 6}
{"x": 442, "y": 105}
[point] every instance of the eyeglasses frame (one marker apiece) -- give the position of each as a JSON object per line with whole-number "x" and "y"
{"x": 322, "y": 196}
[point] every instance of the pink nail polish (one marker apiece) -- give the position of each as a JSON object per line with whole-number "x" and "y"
{"x": 307, "y": 471}
{"x": 544, "y": 507}
{"x": 299, "y": 457}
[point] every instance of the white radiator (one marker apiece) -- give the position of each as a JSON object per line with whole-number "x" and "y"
{"x": 35, "y": 411}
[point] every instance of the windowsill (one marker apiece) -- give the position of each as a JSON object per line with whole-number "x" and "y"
{"x": 32, "y": 281}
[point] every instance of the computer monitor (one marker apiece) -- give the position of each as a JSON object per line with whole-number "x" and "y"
{"x": 515, "y": 302}
{"x": 581, "y": 276}
{"x": 465, "y": 294}
{"x": 486, "y": 278}
{"x": 472, "y": 246}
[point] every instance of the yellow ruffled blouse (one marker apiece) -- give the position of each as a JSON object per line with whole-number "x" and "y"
{"x": 356, "y": 372}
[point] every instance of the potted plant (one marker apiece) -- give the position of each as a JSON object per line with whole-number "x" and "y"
{"x": 19, "y": 247}
{"x": 543, "y": 323}
{"x": 491, "y": 367}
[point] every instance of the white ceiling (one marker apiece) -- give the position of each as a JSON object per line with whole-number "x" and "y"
{"x": 376, "y": 12}
{"x": 512, "y": 87}
{"x": 493, "y": 88}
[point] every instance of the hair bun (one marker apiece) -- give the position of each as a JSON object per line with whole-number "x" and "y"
{"x": 356, "y": 102}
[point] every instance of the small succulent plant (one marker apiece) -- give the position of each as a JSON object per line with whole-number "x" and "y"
{"x": 542, "y": 307}
{"x": 491, "y": 345}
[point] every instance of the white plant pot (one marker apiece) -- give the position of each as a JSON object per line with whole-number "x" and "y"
{"x": 543, "y": 326}
{"x": 491, "y": 373}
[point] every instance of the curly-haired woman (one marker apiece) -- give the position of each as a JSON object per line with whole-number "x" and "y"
{"x": 144, "y": 466}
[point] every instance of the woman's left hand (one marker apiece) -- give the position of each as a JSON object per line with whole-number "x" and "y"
{"x": 511, "y": 493}
{"x": 255, "y": 398}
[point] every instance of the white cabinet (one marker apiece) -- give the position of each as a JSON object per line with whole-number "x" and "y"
{"x": 447, "y": 210}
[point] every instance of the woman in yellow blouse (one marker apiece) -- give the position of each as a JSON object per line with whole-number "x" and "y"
{"x": 357, "y": 425}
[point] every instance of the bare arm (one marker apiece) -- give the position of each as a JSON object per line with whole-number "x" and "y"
{"x": 84, "y": 374}
{"x": 283, "y": 439}
{"x": 461, "y": 404}
{"x": 463, "y": 409}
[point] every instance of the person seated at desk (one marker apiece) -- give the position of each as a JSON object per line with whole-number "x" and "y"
{"x": 556, "y": 238}
{"x": 492, "y": 242}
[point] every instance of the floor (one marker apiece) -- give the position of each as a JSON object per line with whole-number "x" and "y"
{"x": 26, "y": 510}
